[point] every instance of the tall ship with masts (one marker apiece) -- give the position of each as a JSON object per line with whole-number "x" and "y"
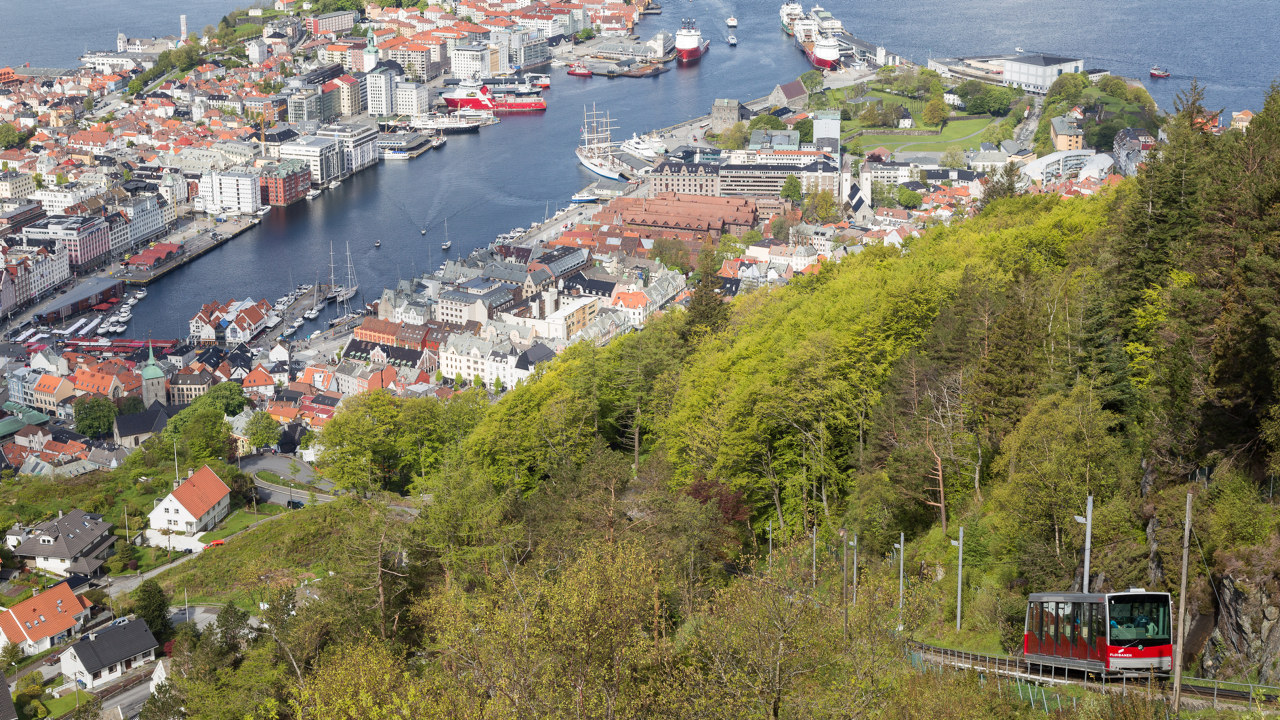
{"x": 597, "y": 152}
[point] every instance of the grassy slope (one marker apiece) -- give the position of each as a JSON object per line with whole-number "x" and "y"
{"x": 283, "y": 551}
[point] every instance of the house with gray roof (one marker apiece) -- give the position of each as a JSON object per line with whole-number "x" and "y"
{"x": 75, "y": 543}
{"x": 104, "y": 655}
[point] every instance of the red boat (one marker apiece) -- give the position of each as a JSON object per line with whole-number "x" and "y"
{"x": 474, "y": 95}
{"x": 579, "y": 70}
{"x": 689, "y": 43}
{"x": 1159, "y": 72}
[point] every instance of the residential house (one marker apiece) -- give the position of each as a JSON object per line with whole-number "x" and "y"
{"x": 102, "y": 656}
{"x": 44, "y": 620}
{"x": 195, "y": 506}
{"x": 75, "y": 543}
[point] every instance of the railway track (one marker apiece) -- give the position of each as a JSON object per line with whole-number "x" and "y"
{"x": 1217, "y": 692}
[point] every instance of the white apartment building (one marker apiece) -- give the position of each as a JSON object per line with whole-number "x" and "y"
{"x": 324, "y": 155}
{"x": 359, "y": 145}
{"x": 412, "y": 99}
{"x": 14, "y": 184}
{"x": 45, "y": 269}
{"x": 379, "y": 92}
{"x": 231, "y": 192}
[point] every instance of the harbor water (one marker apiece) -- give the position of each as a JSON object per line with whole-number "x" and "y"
{"x": 514, "y": 173}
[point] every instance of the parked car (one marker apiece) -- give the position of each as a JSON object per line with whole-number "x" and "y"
{"x": 215, "y": 543}
{"x": 295, "y": 504}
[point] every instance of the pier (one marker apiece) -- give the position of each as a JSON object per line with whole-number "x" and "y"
{"x": 191, "y": 249}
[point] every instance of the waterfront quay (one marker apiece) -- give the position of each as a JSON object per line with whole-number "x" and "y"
{"x": 190, "y": 246}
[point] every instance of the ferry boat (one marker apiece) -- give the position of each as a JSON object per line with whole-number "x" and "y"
{"x": 596, "y": 153}
{"x": 827, "y": 22}
{"x": 583, "y": 197}
{"x": 539, "y": 81}
{"x": 1159, "y": 72}
{"x": 731, "y": 21}
{"x": 732, "y": 40}
{"x": 462, "y": 121}
{"x": 690, "y": 45}
{"x": 823, "y": 52}
{"x": 474, "y": 95}
{"x": 579, "y": 70}
{"x": 640, "y": 147}
{"x": 788, "y": 14}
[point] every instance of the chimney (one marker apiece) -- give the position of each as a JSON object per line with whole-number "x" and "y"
{"x": 190, "y": 472}
{"x": 59, "y": 514}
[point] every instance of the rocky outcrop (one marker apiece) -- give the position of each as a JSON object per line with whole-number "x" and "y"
{"x": 1246, "y": 637}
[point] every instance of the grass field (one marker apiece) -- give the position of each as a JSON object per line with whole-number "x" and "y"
{"x": 951, "y": 135}
{"x": 66, "y": 703}
{"x": 282, "y": 552}
{"x": 239, "y": 520}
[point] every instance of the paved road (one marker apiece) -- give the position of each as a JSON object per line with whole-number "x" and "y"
{"x": 1026, "y": 130}
{"x": 280, "y": 465}
{"x": 279, "y": 495}
{"x": 130, "y": 701}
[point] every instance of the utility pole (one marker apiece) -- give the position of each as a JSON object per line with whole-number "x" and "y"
{"x": 815, "y": 556}
{"x": 1182, "y": 611}
{"x": 844, "y": 578}
{"x": 1087, "y": 520}
{"x": 959, "y": 574}
{"x": 901, "y": 545}
{"x": 770, "y": 544}
{"x": 855, "y": 568}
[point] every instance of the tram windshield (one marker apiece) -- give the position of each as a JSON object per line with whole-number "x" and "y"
{"x": 1139, "y": 620}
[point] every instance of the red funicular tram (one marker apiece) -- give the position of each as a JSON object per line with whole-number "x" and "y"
{"x": 1107, "y": 633}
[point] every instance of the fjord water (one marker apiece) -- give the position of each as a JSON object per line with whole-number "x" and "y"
{"x": 509, "y": 174}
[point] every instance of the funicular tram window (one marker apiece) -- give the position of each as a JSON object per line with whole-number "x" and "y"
{"x": 1140, "y": 620}
{"x": 1049, "y": 632}
{"x": 1099, "y": 625}
{"x": 1065, "y": 630}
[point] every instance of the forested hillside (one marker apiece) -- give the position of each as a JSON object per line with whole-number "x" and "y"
{"x": 596, "y": 542}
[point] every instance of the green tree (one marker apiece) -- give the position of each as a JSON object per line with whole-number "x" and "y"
{"x": 11, "y": 137}
{"x": 812, "y": 80}
{"x": 780, "y": 229}
{"x": 766, "y": 122}
{"x": 792, "y": 190}
{"x": 39, "y": 179}
{"x": 60, "y": 179}
{"x": 11, "y": 655}
{"x": 909, "y": 198}
{"x": 135, "y": 86}
{"x": 707, "y": 309}
{"x": 94, "y": 416}
{"x": 822, "y": 207}
{"x": 736, "y": 137}
{"x": 953, "y": 158}
{"x": 151, "y": 604}
{"x": 805, "y": 128}
{"x": 936, "y": 111}
{"x": 88, "y": 103}
{"x": 263, "y": 430}
{"x": 1068, "y": 87}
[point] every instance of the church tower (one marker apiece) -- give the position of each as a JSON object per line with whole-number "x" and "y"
{"x": 152, "y": 380}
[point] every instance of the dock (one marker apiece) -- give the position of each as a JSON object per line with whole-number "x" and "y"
{"x": 191, "y": 249}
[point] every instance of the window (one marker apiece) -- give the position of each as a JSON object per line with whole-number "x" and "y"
{"x": 1140, "y": 620}
{"x": 1050, "y": 628}
{"x": 1066, "y": 630}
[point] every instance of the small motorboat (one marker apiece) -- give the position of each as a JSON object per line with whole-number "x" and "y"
{"x": 446, "y": 245}
{"x": 1159, "y": 72}
{"x": 731, "y": 21}
{"x": 733, "y": 40}
{"x": 377, "y": 243}
{"x": 423, "y": 231}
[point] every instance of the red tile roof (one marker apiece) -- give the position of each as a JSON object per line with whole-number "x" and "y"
{"x": 201, "y": 491}
{"x": 48, "y": 614}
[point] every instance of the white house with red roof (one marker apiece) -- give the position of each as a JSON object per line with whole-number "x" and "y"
{"x": 44, "y": 620}
{"x": 195, "y": 506}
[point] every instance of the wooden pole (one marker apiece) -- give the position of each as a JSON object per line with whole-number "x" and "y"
{"x": 1182, "y": 610}
{"x": 844, "y": 578}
